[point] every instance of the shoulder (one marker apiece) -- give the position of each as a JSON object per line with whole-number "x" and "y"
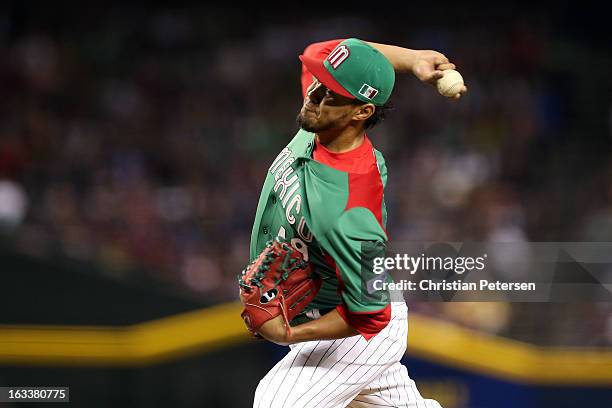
{"x": 297, "y": 147}
{"x": 366, "y": 193}
{"x": 301, "y": 141}
{"x": 382, "y": 166}
{"x": 380, "y": 158}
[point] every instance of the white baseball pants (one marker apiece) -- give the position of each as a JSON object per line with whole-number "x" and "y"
{"x": 349, "y": 372}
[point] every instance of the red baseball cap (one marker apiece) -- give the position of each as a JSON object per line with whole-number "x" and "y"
{"x": 319, "y": 71}
{"x": 356, "y": 70}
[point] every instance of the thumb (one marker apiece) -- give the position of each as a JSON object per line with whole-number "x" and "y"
{"x": 434, "y": 76}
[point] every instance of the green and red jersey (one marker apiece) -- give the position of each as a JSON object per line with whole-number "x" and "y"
{"x": 333, "y": 204}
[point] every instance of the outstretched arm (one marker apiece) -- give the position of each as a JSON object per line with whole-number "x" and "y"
{"x": 426, "y": 65}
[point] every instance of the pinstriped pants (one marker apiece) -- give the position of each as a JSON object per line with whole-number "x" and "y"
{"x": 349, "y": 372}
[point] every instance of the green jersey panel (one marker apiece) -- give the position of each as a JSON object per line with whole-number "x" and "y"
{"x": 305, "y": 200}
{"x": 354, "y": 241}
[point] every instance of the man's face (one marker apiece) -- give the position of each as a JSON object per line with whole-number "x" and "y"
{"x": 324, "y": 109}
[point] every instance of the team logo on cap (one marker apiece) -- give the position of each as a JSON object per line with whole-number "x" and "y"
{"x": 338, "y": 56}
{"x": 368, "y": 91}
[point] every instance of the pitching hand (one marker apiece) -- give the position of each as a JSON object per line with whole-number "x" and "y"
{"x": 428, "y": 66}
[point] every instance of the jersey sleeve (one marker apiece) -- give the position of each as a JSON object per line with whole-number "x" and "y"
{"x": 353, "y": 243}
{"x": 318, "y": 50}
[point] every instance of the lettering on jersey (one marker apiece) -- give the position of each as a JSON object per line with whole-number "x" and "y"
{"x": 293, "y": 189}
{"x": 300, "y": 247}
{"x": 282, "y": 156}
{"x": 296, "y": 202}
{"x": 283, "y": 167}
{"x": 302, "y": 232}
{"x": 284, "y": 183}
{"x": 287, "y": 188}
{"x": 338, "y": 56}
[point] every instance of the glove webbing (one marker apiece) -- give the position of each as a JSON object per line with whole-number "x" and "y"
{"x": 286, "y": 267}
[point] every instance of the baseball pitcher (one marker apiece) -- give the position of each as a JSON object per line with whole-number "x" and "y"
{"x": 320, "y": 222}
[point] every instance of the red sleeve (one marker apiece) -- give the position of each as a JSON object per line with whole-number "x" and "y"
{"x": 368, "y": 324}
{"x": 318, "y": 50}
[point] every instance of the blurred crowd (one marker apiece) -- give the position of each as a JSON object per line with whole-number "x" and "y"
{"x": 145, "y": 145}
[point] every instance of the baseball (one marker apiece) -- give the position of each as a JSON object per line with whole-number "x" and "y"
{"x": 450, "y": 83}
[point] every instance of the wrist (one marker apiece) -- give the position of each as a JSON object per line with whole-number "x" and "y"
{"x": 274, "y": 330}
{"x": 295, "y": 335}
{"x": 407, "y": 61}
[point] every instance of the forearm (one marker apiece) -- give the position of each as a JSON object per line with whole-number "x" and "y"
{"x": 330, "y": 326}
{"x": 402, "y": 59}
{"x": 427, "y": 65}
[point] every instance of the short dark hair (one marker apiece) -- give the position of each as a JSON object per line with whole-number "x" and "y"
{"x": 380, "y": 113}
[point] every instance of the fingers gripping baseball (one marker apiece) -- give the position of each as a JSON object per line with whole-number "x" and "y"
{"x": 427, "y": 65}
{"x": 432, "y": 67}
{"x": 445, "y": 66}
{"x": 440, "y": 58}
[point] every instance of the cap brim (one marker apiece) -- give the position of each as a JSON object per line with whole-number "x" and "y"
{"x": 319, "y": 71}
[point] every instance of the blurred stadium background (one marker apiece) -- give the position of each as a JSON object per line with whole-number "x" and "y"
{"x": 134, "y": 140}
